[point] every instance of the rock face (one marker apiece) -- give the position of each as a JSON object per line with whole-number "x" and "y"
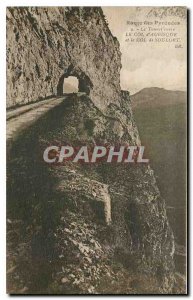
{"x": 44, "y": 45}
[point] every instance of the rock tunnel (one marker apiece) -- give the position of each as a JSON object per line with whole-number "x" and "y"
{"x": 75, "y": 82}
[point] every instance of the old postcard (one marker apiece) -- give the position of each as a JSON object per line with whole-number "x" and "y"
{"x": 96, "y": 150}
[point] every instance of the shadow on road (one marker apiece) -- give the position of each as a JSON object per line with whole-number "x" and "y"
{"x": 33, "y": 203}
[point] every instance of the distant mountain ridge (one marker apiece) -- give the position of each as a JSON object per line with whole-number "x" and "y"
{"x": 155, "y": 97}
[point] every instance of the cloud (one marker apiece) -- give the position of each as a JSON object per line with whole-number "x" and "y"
{"x": 148, "y": 64}
{"x": 155, "y": 73}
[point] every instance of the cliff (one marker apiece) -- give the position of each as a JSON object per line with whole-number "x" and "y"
{"x": 45, "y": 45}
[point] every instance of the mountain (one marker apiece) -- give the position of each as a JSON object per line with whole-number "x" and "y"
{"x": 155, "y": 97}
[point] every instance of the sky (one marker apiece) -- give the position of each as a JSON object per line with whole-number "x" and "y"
{"x": 150, "y": 64}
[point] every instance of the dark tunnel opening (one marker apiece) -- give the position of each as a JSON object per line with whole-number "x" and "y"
{"x": 70, "y": 83}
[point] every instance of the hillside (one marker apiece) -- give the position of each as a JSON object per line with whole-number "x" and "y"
{"x": 155, "y": 97}
{"x": 163, "y": 131}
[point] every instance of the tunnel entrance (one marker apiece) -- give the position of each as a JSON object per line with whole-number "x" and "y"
{"x": 68, "y": 84}
{"x": 73, "y": 84}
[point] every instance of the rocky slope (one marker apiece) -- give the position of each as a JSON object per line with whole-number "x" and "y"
{"x": 78, "y": 220}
